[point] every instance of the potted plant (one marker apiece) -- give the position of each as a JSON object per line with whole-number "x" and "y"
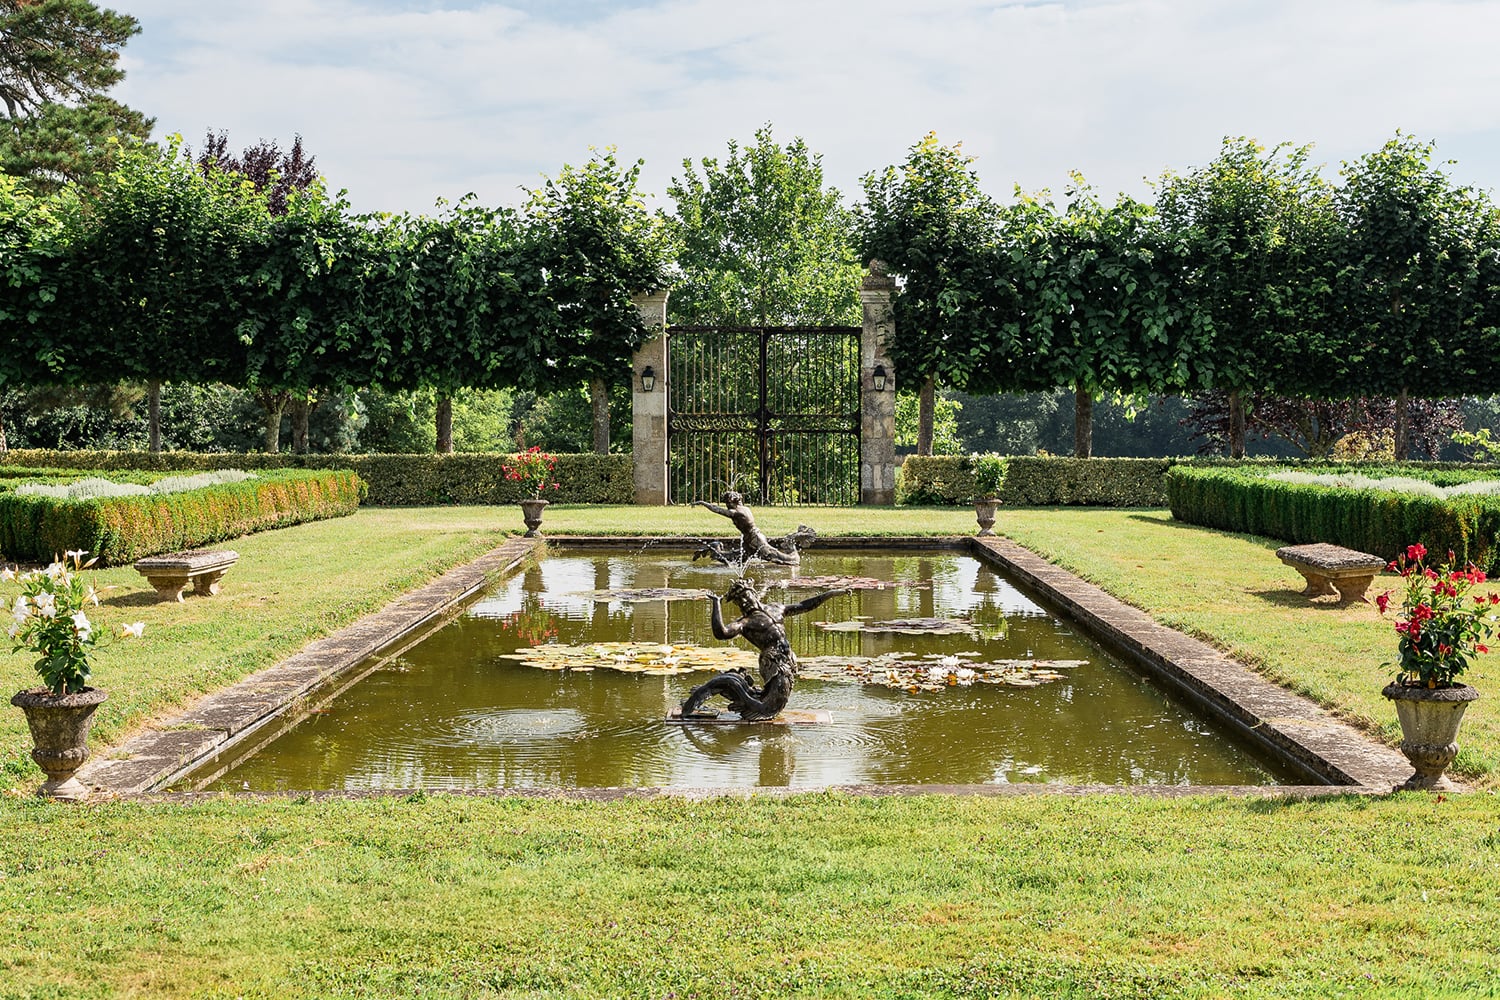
{"x": 1441, "y": 627}
{"x": 49, "y": 618}
{"x": 989, "y": 476}
{"x": 532, "y": 468}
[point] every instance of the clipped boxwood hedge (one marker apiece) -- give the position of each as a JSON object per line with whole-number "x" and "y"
{"x": 123, "y": 529}
{"x": 1376, "y": 521}
{"x": 1035, "y": 481}
{"x": 936, "y": 480}
{"x": 394, "y": 480}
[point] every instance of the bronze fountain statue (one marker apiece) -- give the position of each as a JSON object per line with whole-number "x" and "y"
{"x": 753, "y": 542}
{"x": 762, "y": 624}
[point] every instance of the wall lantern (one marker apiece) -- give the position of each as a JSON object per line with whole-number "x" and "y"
{"x": 648, "y": 379}
{"x": 879, "y": 378}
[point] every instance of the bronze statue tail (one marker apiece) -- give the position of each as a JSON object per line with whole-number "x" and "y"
{"x": 751, "y": 703}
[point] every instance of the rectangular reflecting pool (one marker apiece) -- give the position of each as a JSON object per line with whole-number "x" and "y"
{"x": 936, "y": 670}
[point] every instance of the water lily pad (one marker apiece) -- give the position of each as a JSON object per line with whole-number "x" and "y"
{"x": 850, "y": 582}
{"x": 904, "y": 626}
{"x": 642, "y": 594}
{"x": 649, "y": 658}
{"x": 899, "y": 671}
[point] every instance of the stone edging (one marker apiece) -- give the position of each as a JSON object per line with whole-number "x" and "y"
{"x": 1288, "y": 725}
{"x": 153, "y": 758}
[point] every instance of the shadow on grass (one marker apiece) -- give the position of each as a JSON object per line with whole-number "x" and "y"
{"x": 1259, "y": 541}
{"x": 136, "y": 599}
{"x": 1294, "y": 599}
{"x": 1272, "y": 804}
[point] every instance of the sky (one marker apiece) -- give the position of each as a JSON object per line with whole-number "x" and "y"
{"x": 404, "y": 102}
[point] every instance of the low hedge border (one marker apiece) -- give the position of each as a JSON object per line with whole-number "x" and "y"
{"x": 394, "y": 480}
{"x": 1376, "y": 521}
{"x": 1048, "y": 481}
{"x": 1036, "y": 481}
{"x": 122, "y": 529}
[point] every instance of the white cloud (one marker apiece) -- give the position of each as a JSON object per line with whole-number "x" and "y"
{"x": 403, "y": 103}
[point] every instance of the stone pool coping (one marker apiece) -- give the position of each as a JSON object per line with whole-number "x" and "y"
{"x": 249, "y": 713}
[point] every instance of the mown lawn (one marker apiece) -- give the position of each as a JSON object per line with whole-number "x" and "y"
{"x": 821, "y": 895}
{"x": 818, "y": 895}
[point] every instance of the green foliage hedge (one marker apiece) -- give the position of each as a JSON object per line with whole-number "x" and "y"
{"x": 123, "y": 529}
{"x": 936, "y": 480}
{"x": 1095, "y": 482}
{"x": 1032, "y": 481}
{"x": 1375, "y": 521}
{"x": 394, "y": 480}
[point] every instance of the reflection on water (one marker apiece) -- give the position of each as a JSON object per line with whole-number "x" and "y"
{"x": 452, "y": 713}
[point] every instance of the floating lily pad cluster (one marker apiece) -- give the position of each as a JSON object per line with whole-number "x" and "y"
{"x": 900, "y": 671}
{"x": 652, "y": 658}
{"x": 640, "y": 595}
{"x": 903, "y": 626}
{"x": 851, "y": 582}
{"x": 935, "y": 671}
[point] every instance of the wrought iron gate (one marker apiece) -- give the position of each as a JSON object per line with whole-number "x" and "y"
{"x": 772, "y": 412}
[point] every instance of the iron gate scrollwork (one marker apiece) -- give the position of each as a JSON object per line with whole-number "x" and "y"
{"x": 772, "y": 412}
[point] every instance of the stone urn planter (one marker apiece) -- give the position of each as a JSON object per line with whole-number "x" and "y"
{"x": 1429, "y": 720}
{"x": 60, "y": 729}
{"x": 984, "y": 513}
{"x": 531, "y": 513}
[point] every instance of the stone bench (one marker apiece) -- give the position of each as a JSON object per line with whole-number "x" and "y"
{"x": 170, "y": 574}
{"x": 1332, "y": 570}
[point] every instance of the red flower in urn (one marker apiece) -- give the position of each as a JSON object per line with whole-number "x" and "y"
{"x": 1440, "y": 626}
{"x": 533, "y": 469}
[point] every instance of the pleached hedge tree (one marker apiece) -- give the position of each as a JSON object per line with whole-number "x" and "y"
{"x": 1252, "y": 273}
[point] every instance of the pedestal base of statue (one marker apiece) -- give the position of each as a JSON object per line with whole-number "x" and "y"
{"x": 790, "y": 717}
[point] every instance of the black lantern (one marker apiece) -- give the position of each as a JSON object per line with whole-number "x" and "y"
{"x": 648, "y": 379}
{"x": 879, "y": 379}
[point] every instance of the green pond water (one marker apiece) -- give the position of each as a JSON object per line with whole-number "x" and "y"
{"x": 454, "y": 712}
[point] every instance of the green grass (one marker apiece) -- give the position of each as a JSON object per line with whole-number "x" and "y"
{"x": 820, "y": 895}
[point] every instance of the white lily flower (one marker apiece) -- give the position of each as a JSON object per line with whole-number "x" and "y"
{"x": 81, "y": 624}
{"x": 13, "y": 629}
{"x": 92, "y": 595}
{"x": 54, "y": 570}
{"x": 21, "y": 608}
{"x": 75, "y": 553}
{"x": 45, "y": 600}
{"x": 134, "y": 629}
{"x": 7, "y": 574}
{"x": 50, "y": 611}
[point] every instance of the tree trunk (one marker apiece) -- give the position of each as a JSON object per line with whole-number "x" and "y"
{"x": 1236, "y": 425}
{"x": 301, "y": 408}
{"x": 599, "y": 397}
{"x": 153, "y": 417}
{"x": 274, "y": 404}
{"x": 1083, "y": 422}
{"x": 926, "y": 405}
{"x": 445, "y": 425}
{"x": 1403, "y": 426}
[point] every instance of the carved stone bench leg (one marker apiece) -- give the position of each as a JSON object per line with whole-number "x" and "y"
{"x": 1352, "y": 588}
{"x": 207, "y": 584}
{"x": 1318, "y": 585}
{"x": 168, "y": 588}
